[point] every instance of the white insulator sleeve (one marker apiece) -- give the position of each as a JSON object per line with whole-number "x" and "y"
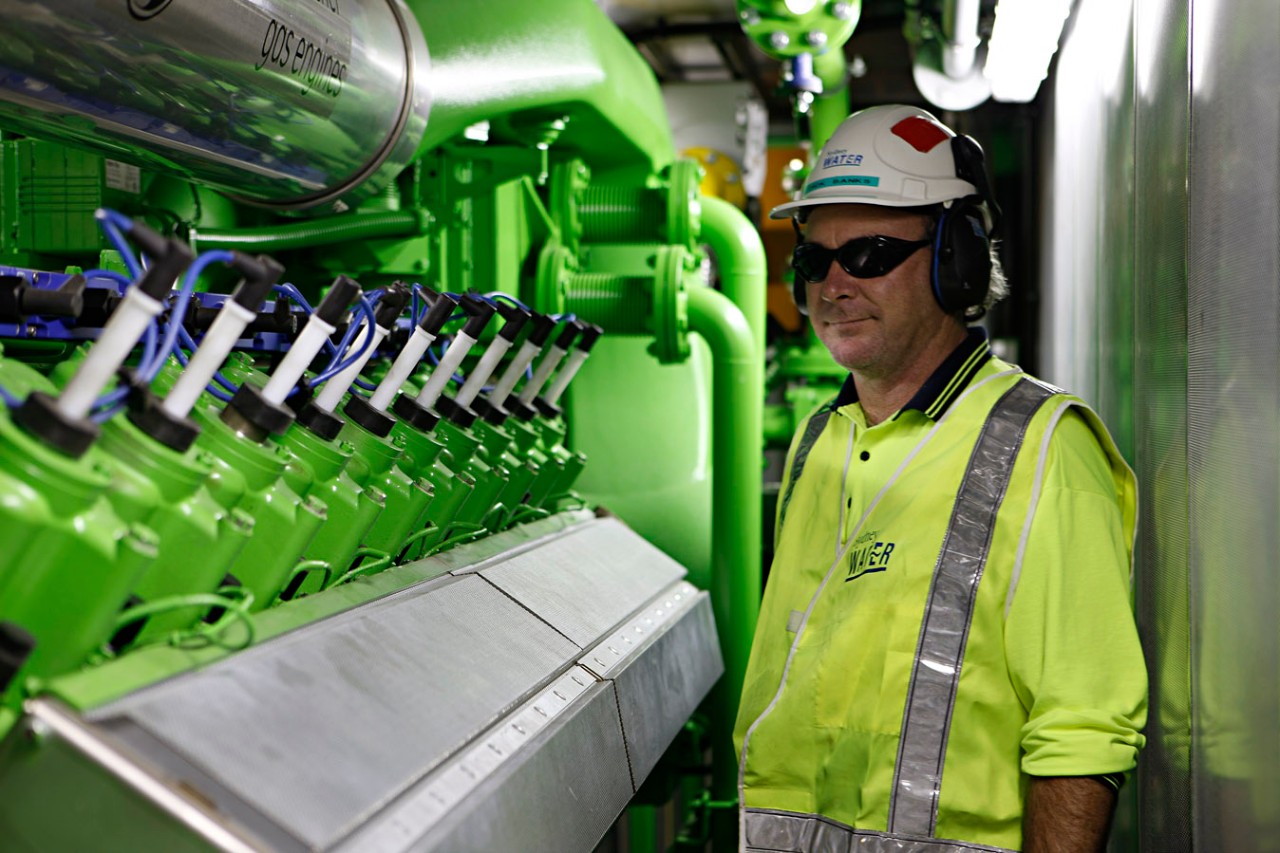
{"x": 541, "y": 374}
{"x": 401, "y": 369}
{"x": 208, "y": 357}
{"x": 449, "y": 362}
{"x": 523, "y": 356}
{"x": 483, "y": 370}
{"x": 117, "y": 340}
{"x": 572, "y": 365}
{"x": 337, "y": 386}
{"x": 297, "y": 359}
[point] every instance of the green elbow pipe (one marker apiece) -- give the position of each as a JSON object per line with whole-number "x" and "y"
{"x": 733, "y": 324}
{"x": 737, "y": 380}
{"x": 519, "y": 65}
{"x": 314, "y": 232}
{"x": 740, "y": 258}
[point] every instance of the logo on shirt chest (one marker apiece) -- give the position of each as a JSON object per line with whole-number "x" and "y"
{"x": 871, "y": 552}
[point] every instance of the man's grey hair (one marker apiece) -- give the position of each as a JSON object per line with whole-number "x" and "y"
{"x": 998, "y": 288}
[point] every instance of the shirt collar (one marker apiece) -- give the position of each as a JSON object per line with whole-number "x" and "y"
{"x": 947, "y": 382}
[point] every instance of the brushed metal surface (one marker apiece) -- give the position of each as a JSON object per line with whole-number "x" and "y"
{"x": 446, "y": 716}
{"x": 288, "y": 102}
{"x": 560, "y": 792}
{"x": 1161, "y": 578}
{"x": 318, "y": 727}
{"x": 1233, "y": 423}
{"x": 662, "y": 682}
{"x": 585, "y": 583}
{"x": 1203, "y": 290}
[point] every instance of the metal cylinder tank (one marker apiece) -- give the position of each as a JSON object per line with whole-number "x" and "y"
{"x": 285, "y": 104}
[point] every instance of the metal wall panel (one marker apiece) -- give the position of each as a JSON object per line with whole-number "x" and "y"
{"x": 1160, "y": 388}
{"x": 1089, "y": 237}
{"x": 1200, "y": 291}
{"x": 1087, "y": 226}
{"x": 1233, "y": 411}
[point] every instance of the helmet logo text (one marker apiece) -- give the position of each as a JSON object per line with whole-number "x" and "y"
{"x": 841, "y": 159}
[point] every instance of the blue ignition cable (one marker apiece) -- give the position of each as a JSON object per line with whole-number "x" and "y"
{"x": 178, "y": 312}
{"x": 499, "y": 296}
{"x": 112, "y": 223}
{"x": 296, "y": 295}
{"x": 337, "y": 366}
{"x": 121, "y": 280}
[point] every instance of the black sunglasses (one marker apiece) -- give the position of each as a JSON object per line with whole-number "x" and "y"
{"x": 864, "y": 257}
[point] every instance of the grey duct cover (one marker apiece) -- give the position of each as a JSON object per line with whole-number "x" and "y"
{"x": 456, "y": 714}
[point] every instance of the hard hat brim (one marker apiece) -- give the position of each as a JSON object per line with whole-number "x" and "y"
{"x": 783, "y": 211}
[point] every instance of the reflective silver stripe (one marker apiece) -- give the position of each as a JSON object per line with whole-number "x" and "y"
{"x": 812, "y": 430}
{"x": 789, "y": 832}
{"x": 926, "y": 720}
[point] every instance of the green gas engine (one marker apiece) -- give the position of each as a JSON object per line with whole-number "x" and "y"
{"x": 380, "y": 453}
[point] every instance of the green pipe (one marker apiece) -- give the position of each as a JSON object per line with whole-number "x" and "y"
{"x": 314, "y": 232}
{"x": 522, "y": 66}
{"x": 832, "y": 106}
{"x": 740, "y": 259}
{"x": 737, "y": 380}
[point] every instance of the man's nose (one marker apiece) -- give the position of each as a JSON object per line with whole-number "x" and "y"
{"x": 838, "y": 284}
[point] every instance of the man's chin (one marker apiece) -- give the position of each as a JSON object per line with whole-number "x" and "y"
{"x": 852, "y": 358}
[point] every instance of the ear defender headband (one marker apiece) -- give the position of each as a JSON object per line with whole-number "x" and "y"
{"x": 961, "y": 270}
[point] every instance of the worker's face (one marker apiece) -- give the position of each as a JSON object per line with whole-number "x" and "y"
{"x": 872, "y": 326}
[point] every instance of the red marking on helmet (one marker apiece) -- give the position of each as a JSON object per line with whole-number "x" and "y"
{"x": 920, "y": 133}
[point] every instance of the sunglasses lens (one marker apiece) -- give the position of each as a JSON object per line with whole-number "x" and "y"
{"x": 812, "y": 262}
{"x": 865, "y": 257}
{"x": 872, "y": 257}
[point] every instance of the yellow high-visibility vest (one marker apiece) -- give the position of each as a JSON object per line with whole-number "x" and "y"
{"x": 948, "y": 613}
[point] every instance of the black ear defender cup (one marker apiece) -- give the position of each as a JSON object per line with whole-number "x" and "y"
{"x": 962, "y": 238}
{"x": 961, "y": 256}
{"x": 797, "y": 283}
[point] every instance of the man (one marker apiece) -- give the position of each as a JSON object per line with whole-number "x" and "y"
{"x": 946, "y": 657}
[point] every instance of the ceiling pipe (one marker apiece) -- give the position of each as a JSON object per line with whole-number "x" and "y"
{"x": 960, "y": 38}
{"x": 947, "y": 57}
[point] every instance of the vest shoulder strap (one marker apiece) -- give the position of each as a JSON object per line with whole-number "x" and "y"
{"x": 817, "y": 423}
{"x": 944, "y": 630}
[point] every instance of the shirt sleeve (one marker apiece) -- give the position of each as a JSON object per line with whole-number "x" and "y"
{"x": 1070, "y": 639}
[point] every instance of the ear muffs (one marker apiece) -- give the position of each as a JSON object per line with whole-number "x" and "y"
{"x": 797, "y": 283}
{"x": 798, "y": 293}
{"x": 962, "y": 256}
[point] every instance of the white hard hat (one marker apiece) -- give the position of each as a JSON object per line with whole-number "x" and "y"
{"x": 897, "y": 156}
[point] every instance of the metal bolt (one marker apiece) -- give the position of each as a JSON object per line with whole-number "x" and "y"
{"x": 815, "y": 38}
{"x": 778, "y": 40}
{"x": 750, "y": 17}
{"x": 841, "y": 11}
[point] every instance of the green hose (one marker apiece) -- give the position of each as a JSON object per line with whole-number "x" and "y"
{"x": 314, "y": 232}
